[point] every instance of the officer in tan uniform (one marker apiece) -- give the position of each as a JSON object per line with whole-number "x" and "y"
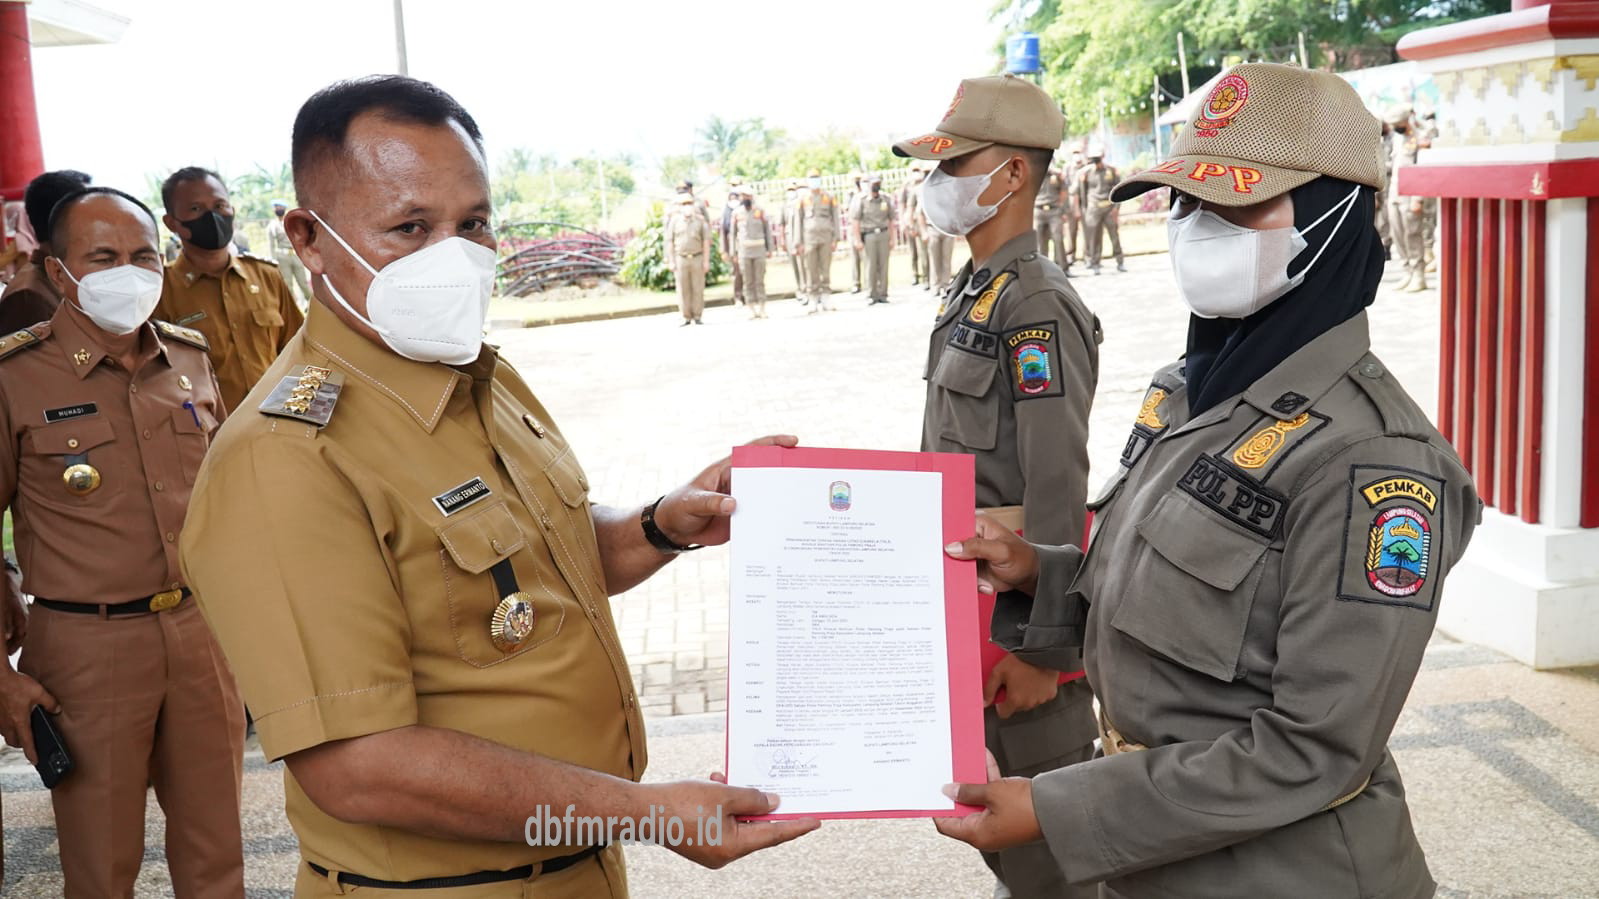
{"x": 872, "y": 233}
{"x": 1405, "y": 214}
{"x": 791, "y": 199}
{"x": 1268, "y": 559}
{"x": 106, "y": 417}
{"x": 416, "y": 602}
{"x": 1072, "y": 212}
{"x": 30, "y": 298}
{"x": 914, "y": 229}
{"x": 1099, "y": 211}
{"x": 752, "y": 240}
{"x": 1049, "y": 216}
{"x": 940, "y": 251}
{"x": 735, "y": 195}
{"x": 240, "y": 303}
{"x": 283, "y": 254}
{"x": 857, "y": 190}
{"x": 1011, "y": 369}
{"x": 817, "y": 236}
{"x": 688, "y": 249}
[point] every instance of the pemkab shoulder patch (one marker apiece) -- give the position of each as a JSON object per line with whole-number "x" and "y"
{"x": 181, "y": 334}
{"x": 1390, "y": 537}
{"x": 307, "y": 393}
{"x": 1032, "y": 354}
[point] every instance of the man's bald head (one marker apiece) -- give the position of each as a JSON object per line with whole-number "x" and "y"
{"x": 323, "y": 123}
{"x": 104, "y": 204}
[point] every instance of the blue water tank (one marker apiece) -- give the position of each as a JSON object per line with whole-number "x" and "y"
{"x": 1021, "y": 54}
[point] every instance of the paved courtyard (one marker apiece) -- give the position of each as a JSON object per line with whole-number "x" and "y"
{"x": 1502, "y": 762}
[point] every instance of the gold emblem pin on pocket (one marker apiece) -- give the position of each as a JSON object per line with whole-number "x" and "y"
{"x": 512, "y": 623}
{"x": 81, "y": 479}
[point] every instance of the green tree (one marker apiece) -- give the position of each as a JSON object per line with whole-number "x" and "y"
{"x": 1099, "y": 55}
{"x": 532, "y": 187}
{"x": 682, "y": 167}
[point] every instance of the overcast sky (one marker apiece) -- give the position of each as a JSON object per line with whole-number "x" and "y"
{"x": 217, "y": 82}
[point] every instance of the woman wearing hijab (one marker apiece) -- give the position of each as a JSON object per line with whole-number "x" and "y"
{"x": 1267, "y": 562}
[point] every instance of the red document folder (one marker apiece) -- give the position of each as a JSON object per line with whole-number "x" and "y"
{"x": 964, "y": 633}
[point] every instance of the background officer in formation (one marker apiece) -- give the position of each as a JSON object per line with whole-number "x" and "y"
{"x": 240, "y": 303}
{"x": 857, "y": 188}
{"x": 688, "y": 249}
{"x": 872, "y": 234}
{"x": 1049, "y": 216}
{"x": 1094, "y": 185}
{"x": 427, "y": 638}
{"x": 735, "y": 196}
{"x": 106, "y": 418}
{"x": 1011, "y": 370}
{"x": 1266, "y": 563}
{"x": 1406, "y": 215}
{"x": 913, "y": 229}
{"x": 752, "y": 242}
{"x": 790, "y": 230}
{"x": 940, "y": 251}
{"x": 817, "y": 234}
{"x": 30, "y": 298}
{"x": 1072, "y": 212}
{"x": 283, "y": 254}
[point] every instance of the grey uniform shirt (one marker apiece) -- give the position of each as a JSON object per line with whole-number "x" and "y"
{"x": 1262, "y": 582}
{"x": 1011, "y": 370}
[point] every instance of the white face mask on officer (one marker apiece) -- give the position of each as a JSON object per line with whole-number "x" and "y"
{"x": 950, "y": 201}
{"x": 1229, "y": 271}
{"x": 118, "y": 300}
{"x": 430, "y": 305}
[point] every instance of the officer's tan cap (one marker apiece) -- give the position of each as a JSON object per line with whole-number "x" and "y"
{"x": 995, "y": 109}
{"x": 1263, "y": 130}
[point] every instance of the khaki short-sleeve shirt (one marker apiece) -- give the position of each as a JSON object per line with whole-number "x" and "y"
{"x": 349, "y": 572}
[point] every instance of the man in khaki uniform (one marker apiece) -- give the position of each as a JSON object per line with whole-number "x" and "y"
{"x": 734, "y": 196}
{"x": 857, "y": 190}
{"x": 1268, "y": 559}
{"x": 1049, "y": 216}
{"x": 1406, "y": 219}
{"x": 283, "y": 253}
{"x": 752, "y": 241}
{"x": 1011, "y": 369}
{"x": 240, "y": 303}
{"x": 1072, "y": 218}
{"x": 416, "y": 603}
{"x": 872, "y": 233}
{"x": 1099, "y": 211}
{"x": 817, "y": 235}
{"x": 106, "y": 418}
{"x": 914, "y": 231}
{"x": 688, "y": 248}
{"x": 790, "y": 238}
{"x": 30, "y": 298}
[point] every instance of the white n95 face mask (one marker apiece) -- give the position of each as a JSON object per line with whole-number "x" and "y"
{"x": 430, "y": 305}
{"x": 950, "y": 201}
{"x": 118, "y": 300}
{"x": 1229, "y": 271}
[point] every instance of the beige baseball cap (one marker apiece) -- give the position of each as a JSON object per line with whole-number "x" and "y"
{"x": 1263, "y": 130}
{"x": 994, "y": 109}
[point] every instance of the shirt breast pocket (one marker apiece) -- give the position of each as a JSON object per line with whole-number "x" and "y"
{"x": 50, "y": 449}
{"x": 1195, "y": 586}
{"x": 964, "y": 417}
{"x": 473, "y": 545}
{"x": 193, "y": 439}
{"x": 267, "y": 317}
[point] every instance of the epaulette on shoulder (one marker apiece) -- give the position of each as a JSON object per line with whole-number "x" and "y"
{"x": 181, "y": 334}
{"x": 307, "y": 393}
{"x": 20, "y": 340}
{"x": 1400, "y": 414}
{"x": 262, "y": 259}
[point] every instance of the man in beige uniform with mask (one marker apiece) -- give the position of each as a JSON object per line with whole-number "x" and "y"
{"x": 1099, "y": 211}
{"x": 751, "y": 236}
{"x": 416, "y": 601}
{"x": 872, "y": 232}
{"x": 817, "y": 235}
{"x": 914, "y": 229}
{"x": 1267, "y": 561}
{"x": 106, "y": 417}
{"x": 688, "y": 249}
{"x": 1011, "y": 370}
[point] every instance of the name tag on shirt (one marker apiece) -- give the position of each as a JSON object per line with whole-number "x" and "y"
{"x": 457, "y": 498}
{"x": 66, "y": 413}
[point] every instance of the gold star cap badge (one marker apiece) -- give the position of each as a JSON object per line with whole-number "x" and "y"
{"x": 81, "y": 357}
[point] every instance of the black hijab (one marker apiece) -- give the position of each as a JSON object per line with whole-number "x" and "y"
{"x": 1227, "y": 355}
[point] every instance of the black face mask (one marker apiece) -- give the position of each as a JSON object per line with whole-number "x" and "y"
{"x": 209, "y": 230}
{"x": 748, "y": 203}
{"x": 279, "y": 212}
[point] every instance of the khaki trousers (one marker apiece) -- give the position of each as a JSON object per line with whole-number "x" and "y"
{"x": 691, "y": 286}
{"x": 1096, "y": 220}
{"x": 818, "y": 267}
{"x": 1405, "y": 227}
{"x": 855, "y": 268}
{"x": 918, "y": 257}
{"x": 754, "y": 283}
{"x": 942, "y": 248}
{"x": 796, "y": 259}
{"x": 145, "y": 700}
{"x": 603, "y": 877}
{"x": 738, "y": 276}
{"x": 1051, "y": 234}
{"x": 294, "y": 273}
{"x": 875, "y": 249}
{"x": 1071, "y": 223}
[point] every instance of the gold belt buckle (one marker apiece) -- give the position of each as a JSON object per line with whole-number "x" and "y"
{"x": 166, "y": 599}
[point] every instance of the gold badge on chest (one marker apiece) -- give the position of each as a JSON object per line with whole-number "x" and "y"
{"x": 1265, "y": 443}
{"x": 81, "y": 479}
{"x": 512, "y": 623}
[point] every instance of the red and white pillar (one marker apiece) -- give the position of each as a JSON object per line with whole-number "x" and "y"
{"x": 21, "y": 155}
{"x": 1516, "y": 168}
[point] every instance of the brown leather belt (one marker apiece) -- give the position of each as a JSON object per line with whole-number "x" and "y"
{"x": 160, "y": 602}
{"x": 1111, "y": 742}
{"x": 461, "y": 880}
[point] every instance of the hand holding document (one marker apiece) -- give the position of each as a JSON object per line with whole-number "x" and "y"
{"x": 853, "y": 686}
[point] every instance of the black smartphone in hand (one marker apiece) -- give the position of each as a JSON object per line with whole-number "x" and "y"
{"x": 54, "y": 762}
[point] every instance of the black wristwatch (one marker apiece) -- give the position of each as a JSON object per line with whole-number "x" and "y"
{"x": 658, "y": 538}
